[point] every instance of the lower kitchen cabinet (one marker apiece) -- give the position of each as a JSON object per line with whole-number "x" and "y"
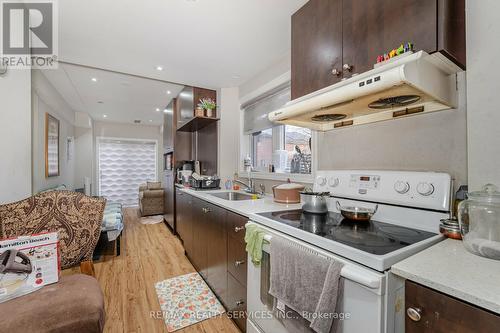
{"x": 200, "y": 237}
{"x": 213, "y": 239}
{"x": 237, "y": 302}
{"x": 184, "y": 220}
{"x": 216, "y": 250}
{"x": 430, "y": 311}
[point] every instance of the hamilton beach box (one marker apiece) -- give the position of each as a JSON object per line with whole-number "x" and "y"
{"x": 28, "y": 263}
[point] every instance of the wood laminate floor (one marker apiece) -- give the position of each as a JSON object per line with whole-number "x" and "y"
{"x": 149, "y": 254}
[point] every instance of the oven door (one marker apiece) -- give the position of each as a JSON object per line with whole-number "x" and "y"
{"x": 363, "y": 297}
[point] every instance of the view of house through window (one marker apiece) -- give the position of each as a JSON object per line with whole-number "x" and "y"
{"x": 262, "y": 149}
{"x": 287, "y": 148}
{"x": 298, "y": 148}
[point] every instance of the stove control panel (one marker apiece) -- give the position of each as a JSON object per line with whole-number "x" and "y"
{"x": 429, "y": 190}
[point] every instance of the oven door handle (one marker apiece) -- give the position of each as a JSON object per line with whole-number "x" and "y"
{"x": 351, "y": 273}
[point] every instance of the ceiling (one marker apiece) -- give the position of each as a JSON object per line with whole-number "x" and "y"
{"x": 207, "y": 43}
{"x": 113, "y": 97}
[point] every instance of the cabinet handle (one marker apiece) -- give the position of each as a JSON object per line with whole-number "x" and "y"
{"x": 206, "y": 210}
{"x": 347, "y": 67}
{"x": 238, "y": 229}
{"x": 336, "y": 72}
{"x": 240, "y": 302}
{"x": 239, "y": 262}
{"x": 414, "y": 314}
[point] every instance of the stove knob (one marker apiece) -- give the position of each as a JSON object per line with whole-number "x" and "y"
{"x": 334, "y": 182}
{"x": 401, "y": 187}
{"x": 321, "y": 181}
{"x": 425, "y": 189}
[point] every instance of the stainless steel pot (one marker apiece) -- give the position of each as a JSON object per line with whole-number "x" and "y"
{"x": 357, "y": 213}
{"x": 314, "y": 202}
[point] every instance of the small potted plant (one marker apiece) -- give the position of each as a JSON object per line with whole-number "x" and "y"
{"x": 208, "y": 105}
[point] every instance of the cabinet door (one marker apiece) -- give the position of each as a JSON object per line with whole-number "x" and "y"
{"x": 237, "y": 260}
{"x": 168, "y": 186}
{"x": 433, "y": 312}
{"x": 316, "y": 46}
{"x": 374, "y": 27}
{"x": 200, "y": 237}
{"x": 237, "y": 298}
{"x": 184, "y": 221}
{"x": 217, "y": 250}
{"x": 168, "y": 127}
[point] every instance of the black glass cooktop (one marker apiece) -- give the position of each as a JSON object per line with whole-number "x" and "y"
{"x": 373, "y": 237}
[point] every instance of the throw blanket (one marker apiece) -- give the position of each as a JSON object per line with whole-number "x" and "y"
{"x": 306, "y": 282}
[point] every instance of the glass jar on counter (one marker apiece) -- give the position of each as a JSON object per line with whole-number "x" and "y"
{"x": 479, "y": 218}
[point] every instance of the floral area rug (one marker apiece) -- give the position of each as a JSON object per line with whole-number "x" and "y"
{"x": 186, "y": 300}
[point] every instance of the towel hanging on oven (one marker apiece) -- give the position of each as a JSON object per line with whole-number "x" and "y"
{"x": 306, "y": 282}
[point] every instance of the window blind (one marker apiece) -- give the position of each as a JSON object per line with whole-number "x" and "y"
{"x": 256, "y": 111}
{"x": 123, "y": 166}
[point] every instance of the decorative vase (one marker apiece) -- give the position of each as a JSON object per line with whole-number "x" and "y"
{"x": 209, "y": 113}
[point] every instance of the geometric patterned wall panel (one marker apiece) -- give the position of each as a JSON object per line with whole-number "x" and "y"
{"x": 123, "y": 166}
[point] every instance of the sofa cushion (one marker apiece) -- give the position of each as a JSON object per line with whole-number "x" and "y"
{"x": 154, "y": 185}
{"x": 74, "y": 304}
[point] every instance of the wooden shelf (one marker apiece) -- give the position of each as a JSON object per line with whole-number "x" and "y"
{"x": 196, "y": 123}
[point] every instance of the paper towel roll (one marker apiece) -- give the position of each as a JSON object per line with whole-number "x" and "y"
{"x": 86, "y": 186}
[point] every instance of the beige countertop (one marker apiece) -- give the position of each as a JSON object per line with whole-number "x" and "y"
{"x": 243, "y": 207}
{"x": 448, "y": 267}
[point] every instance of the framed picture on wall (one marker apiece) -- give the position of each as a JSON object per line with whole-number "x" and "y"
{"x": 51, "y": 146}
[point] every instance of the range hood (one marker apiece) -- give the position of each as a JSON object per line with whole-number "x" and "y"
{"x": 407, "y": 85}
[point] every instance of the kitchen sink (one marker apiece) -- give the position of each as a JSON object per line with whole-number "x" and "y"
{"x": 234, "y": 196}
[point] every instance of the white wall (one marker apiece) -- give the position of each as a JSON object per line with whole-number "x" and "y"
{"x": 128, "y": 131}
{"x": 483, "y": 118}
{"x": 15, "y": 135}
{"x": 46, "y": 99}
{"x": 229, "y": 132}
{"x": 84, "y": 155}
{"x": 266, "y": 80}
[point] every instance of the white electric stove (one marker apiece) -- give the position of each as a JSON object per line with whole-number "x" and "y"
{"x": 410, "y": 207}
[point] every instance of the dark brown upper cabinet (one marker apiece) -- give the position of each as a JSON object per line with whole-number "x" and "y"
{"x": 336, "y": 39}
{"x": 316, "y": 46}
{"x": 188, "y": 99}
{"x": 168, "y": 129}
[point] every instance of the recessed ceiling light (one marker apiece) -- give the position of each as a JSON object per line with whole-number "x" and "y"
{"x": 150, "y": 121}
{"x": 105, "y": 115}
{"x": 157, "y": 109}
{"x": 168, "y": 92}
{"x": 236, "y": 77}
{"x": 159, "y": 68}
{"x": 94, "y": 79}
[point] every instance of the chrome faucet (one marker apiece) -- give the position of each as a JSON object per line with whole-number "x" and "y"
{"x": 250, "y": 187}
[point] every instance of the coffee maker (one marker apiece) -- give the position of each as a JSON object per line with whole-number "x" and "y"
{"x": 185, "y": 169}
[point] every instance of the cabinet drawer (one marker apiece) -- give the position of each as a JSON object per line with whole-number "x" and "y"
{"x": 236, "y": 226}
{"x": 237, "y": 260}
{"x": 237, "y": 302}
{"x": 433, "y": 312}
